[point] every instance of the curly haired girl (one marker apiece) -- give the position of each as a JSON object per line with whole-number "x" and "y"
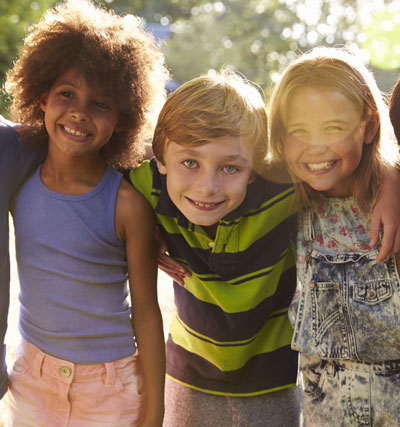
{"x": 89, "y": 82}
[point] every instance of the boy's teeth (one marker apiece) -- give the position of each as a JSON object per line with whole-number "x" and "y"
{"x": 74, "y": 132}
{"x": 319, "y": 166}
{"x": 205, "y": 205}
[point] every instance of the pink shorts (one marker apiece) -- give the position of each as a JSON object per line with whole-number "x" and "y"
{"x": 46, "y": 391}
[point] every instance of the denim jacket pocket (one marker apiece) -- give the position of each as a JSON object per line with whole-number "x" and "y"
{"x": 351, "y": 308}
{"x": 330, "y": 338}
{"x": 374, "y": 310}
{"x": 321, "y": 325}
{"x": 372, "y": 293}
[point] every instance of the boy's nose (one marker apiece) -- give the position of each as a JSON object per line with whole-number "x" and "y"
{"x": 208, "y": 183}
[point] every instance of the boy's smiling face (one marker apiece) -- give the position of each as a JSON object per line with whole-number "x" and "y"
{"x": 208, "y": 181}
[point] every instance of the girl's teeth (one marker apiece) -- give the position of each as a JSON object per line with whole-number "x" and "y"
{"x": 74, "y": 132}
{"x": 319, "y": 166}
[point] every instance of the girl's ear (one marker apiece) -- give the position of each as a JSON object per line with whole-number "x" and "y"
{"x": 371, "y": 128}
{"x": 119, "y": 127}
{"x": 161, "y": 168}
{"x": 43, "y": 101}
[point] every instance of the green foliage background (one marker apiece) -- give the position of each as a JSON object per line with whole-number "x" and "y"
{"x": 255, "y": 37}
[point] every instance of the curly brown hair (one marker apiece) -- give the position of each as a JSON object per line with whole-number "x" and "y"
{"x": 113, "y": 52}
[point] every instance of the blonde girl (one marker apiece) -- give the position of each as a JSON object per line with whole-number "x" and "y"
{"x": 330, "y": 124}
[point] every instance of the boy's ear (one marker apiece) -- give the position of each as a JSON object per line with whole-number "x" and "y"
{"x": 252, "y": 177}
{"x": 43, "y": 101}
{"x": 161, "y": 168}
{"x": 371, "y": 128}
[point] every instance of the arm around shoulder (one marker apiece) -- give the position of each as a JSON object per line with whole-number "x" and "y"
{"x": 386, "y": 214}
{"x": 135, "y": 225}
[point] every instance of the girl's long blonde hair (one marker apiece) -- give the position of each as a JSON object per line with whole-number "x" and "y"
{"x": 341, "y": 71}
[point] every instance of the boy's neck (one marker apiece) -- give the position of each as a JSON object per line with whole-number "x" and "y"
{"x": 211, "y": 230}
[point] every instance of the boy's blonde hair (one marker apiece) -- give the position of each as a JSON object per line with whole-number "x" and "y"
{"x": 114, "y": 53}
{"x": 211, "y": 107}
{"x": 341, "y": 71}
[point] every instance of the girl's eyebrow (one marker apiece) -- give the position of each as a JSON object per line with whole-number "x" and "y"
{"x": 66, "y": 82}
{"x": 97, "y": 92}
{"x": 341, "y": 121}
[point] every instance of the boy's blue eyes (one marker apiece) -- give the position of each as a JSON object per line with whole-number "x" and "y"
{"x": 191, "y": 164}
{"x": 230, "y": 169}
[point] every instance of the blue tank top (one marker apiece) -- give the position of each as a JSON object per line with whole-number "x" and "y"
{"x": 73, "y": 272}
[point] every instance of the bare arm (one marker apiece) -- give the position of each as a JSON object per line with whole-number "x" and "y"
{"x": 135, "y": 225}
{"x": 387, "y": 213}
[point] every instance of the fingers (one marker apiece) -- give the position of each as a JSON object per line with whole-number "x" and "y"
{"x": 374, "y": 229}
{"x": 161, "y": 245}
{"x": 180, "y": 279}
{"x": 170, "y": 264}
{"x": 173, "y": 268}
{"x": 387, "y": 244}
{"x": 390, "y": 243}
{"x": 396, "y": 244}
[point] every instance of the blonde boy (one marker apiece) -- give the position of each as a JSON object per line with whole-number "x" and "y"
{"x": 229, "y": 360}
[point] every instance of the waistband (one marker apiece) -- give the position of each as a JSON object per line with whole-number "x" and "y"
{"x": 45, "y": 364}
{"x": 386, "y": 366}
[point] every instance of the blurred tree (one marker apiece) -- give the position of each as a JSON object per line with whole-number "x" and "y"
{"x": 243, "y": 36}
{"x": 161, "y": 11}
{"x": 260, "y": 37}
{"x": 255, "y": 37}
{"x": 381, "y": 36}
{"x": 15, "y": 18}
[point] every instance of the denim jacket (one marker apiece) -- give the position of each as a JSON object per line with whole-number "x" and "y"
{"x": 349, "y": 307}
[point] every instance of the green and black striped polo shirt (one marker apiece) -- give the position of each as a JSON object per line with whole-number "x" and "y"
{"x": 230, "y": 334}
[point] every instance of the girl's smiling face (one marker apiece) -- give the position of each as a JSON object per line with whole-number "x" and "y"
{"x": 324, "y": 139}
{"x": 79, "y": 118}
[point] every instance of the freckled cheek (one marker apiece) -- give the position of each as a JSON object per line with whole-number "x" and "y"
{"x": 346, "y": 146}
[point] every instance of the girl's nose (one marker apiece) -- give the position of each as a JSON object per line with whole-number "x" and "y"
{"x": 316, "y": 148}
{"x": 316, "y": 144}
{"x": 79, "y": 112}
